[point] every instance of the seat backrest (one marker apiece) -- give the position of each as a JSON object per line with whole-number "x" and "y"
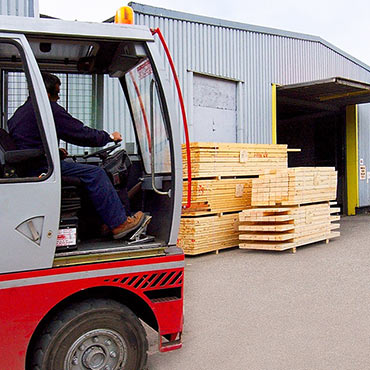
{"x": 6, "y": 145}
{"x": 14, "y": 162}
{"x": 6, "y": 142}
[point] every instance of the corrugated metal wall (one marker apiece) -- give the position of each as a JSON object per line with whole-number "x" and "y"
{"x": 116, "y": 116}
{"x": 257, "y": 57}
{"x": 23, "y": 8}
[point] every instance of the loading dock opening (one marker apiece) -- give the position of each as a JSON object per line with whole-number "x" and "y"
{"x": 320, "y": 117}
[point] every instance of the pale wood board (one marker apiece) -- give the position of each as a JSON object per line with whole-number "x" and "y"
{"x": 286, "y": 246}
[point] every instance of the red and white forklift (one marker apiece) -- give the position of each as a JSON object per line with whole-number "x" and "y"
{"x": 72, "y": 298}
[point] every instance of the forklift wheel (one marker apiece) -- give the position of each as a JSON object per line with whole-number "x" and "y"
{"x": 93, "y": 334}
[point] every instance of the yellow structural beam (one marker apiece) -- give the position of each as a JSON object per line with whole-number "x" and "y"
{"x": 344, "y": 95}
{"x": 274, "y": 115}
{"x": 352, "y": 159}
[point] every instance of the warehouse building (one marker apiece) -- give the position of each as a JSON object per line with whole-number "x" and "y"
{"x": 244, "y": 83}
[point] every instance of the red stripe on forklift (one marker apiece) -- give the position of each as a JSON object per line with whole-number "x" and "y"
{"x": 56, "y": 278}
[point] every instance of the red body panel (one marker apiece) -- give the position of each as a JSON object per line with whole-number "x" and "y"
{"x": 25, "y": 298}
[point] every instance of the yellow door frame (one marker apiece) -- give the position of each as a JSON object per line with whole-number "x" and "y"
{"x": 352, "y": 159}
{"x": 274, "y": 115}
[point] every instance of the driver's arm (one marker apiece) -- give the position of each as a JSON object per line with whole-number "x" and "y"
{"x": 75, "y": 132}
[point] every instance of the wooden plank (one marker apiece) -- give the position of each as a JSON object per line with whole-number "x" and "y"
{"x": 267, "y": 236}
{"x": 286, "y": 246}
{"x": 278, "y": 218}
{"x": 273, "y": 227}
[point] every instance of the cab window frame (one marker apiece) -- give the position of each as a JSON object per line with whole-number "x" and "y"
{"x": 30, "y": 84}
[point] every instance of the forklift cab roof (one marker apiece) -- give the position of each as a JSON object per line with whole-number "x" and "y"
{"x": 83, "y": 47}
{"x": 71, "y": 29}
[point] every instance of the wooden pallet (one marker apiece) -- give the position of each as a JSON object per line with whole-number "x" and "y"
{"x": 233, "y": 159}
{"x": 204, "y": 234}
{"x": 218, "y": 195}
{"x": 292, "y": 186}
{"x": 282, "y": 228}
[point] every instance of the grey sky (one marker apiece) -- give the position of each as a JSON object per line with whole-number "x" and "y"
{"x": 341, "y": 22}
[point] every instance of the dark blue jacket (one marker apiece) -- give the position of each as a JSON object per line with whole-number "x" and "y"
{"x": 25, "y": 132}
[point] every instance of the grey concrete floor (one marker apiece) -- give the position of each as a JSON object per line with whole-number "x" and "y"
{"x": 257, "y": 310}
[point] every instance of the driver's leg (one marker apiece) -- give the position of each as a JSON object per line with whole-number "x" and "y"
{"x": 103, "y": 196}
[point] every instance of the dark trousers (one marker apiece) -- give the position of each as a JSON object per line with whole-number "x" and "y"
{"x": 100, "y": 190}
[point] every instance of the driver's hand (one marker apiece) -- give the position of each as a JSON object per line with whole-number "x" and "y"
{"x": 116, "y": 137}
{"x": 63, "y": 154}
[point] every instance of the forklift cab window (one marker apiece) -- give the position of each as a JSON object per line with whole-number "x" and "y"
{"x": 149, "y": 118}
{"x": 22, "y": 142}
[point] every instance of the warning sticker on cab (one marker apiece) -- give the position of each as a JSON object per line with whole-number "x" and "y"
{"x": 67, "y": 237}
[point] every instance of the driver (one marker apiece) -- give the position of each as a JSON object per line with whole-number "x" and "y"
{"x": 25, "y": 133}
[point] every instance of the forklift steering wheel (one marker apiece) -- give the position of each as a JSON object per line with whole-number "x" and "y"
{"x": 103, "y": 153}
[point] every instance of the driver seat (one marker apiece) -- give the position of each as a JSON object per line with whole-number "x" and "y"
{"x": 15, "y": 162}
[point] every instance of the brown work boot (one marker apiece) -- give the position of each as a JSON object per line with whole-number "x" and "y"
{"x": 132, "y": 223}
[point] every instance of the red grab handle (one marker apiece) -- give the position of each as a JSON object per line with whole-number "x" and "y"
{"x": 181, "y": 100}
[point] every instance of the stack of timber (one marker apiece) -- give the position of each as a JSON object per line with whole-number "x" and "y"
{"x": 292, "y": 186}
{"x": 290, "y": 208}
{"x": 204, "y": 234}
{"x": 221, "y": 188}
{"x": 233, "y": 159}
{"x": 211, "y": 224}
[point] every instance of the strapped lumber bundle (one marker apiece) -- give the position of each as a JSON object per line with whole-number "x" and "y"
{"x": 208, "y": 233}
{"x": 292, "y": 186}
{"x": 283, "y": 228}
{"x": 233, "y": 159}
{"x": 296, "y": 209}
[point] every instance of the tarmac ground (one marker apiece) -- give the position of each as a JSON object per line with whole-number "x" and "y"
{"x": 258, "y": 310}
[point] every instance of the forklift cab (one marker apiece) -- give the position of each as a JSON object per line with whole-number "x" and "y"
{"x": 112, "y": 79}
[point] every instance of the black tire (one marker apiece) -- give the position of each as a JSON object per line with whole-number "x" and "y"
{"x": 95, "y": 332}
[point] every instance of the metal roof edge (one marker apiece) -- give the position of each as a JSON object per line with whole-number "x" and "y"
{"x": 174, "y": 14}
{"x": 338, "y": 80}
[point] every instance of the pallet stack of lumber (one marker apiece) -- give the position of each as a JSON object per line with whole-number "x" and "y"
{"x": 292, "y": 186}
{"x": 283, "y": 228}
{"x": 290, "y": 208}
{"x": 233, "y": 159}
{"x": 231, "y": 178}
{"x": 221, "y": 188}
{"x": 208, "y": 233}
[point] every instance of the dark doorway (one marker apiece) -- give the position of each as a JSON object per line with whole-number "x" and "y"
{"x": 316, "y": 116}
{"x": 321, "y": 138}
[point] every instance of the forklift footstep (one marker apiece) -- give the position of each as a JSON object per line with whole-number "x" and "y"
{"x": 140, "y": 235}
